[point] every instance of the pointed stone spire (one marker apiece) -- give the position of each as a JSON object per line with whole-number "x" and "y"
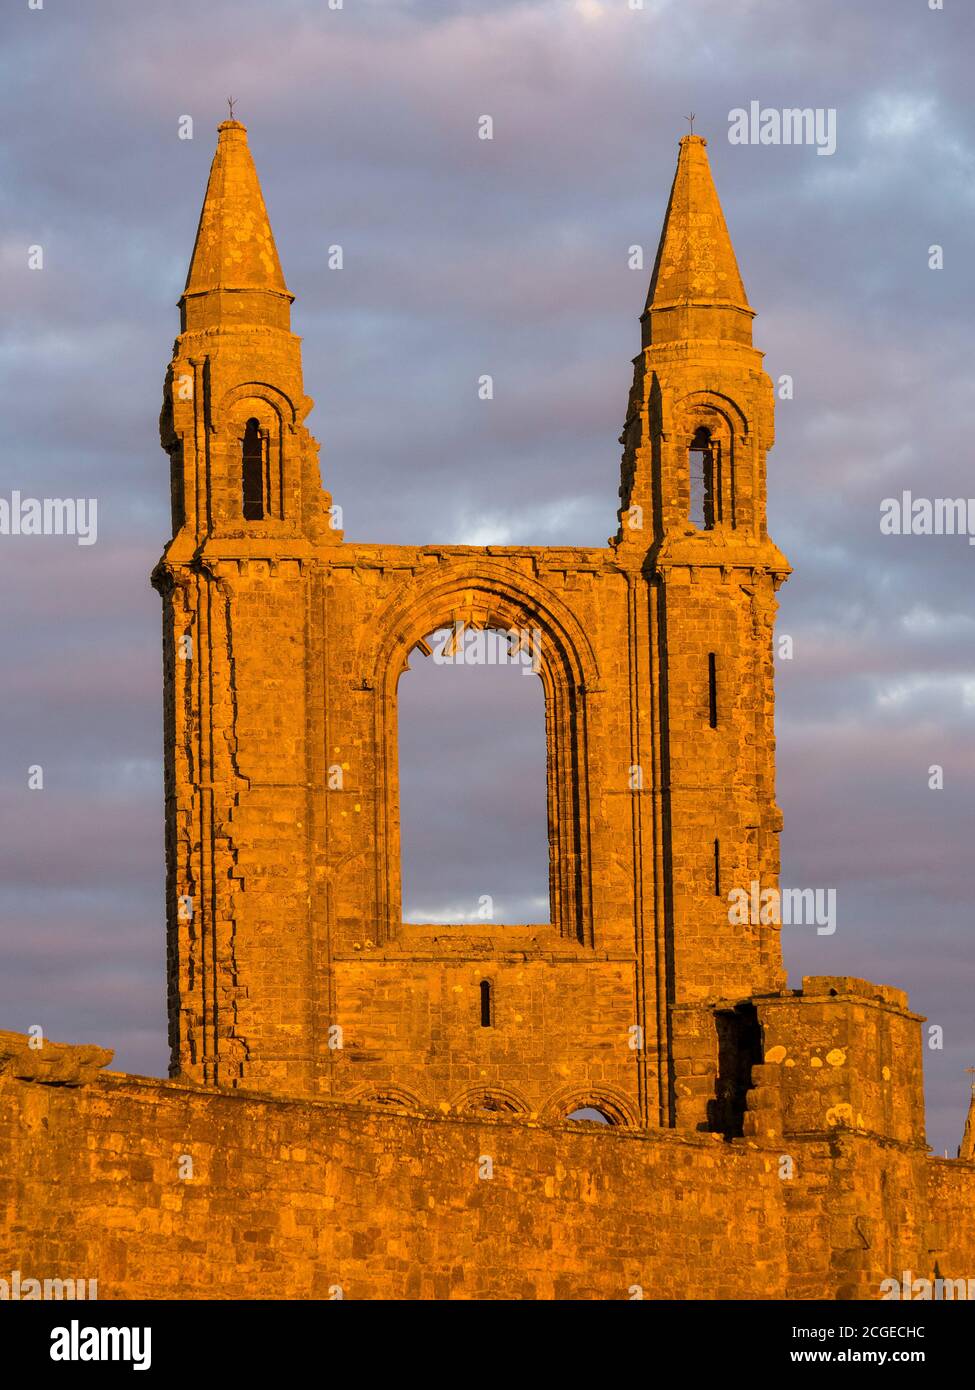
{"x": 967, "y": 1147}
{"x": 696, "y": 290}
{"x": 235, "y": 276}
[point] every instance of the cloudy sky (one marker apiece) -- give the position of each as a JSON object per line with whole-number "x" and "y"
{"x": 462, "y": 257}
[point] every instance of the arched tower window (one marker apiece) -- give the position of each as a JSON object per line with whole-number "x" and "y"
{"x": 705, "y": 498}
{"x": 487, "y": 1005}
{"x": 252, "y": 471}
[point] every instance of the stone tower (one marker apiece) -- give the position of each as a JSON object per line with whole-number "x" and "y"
{"x": 699, "y": 425}
{"x": 290, "y": 967}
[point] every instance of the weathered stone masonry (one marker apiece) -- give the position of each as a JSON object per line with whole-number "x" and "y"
{"x": 295, "y": 1198}
{"x": 334, "y": 1083}
{"x": 284, "y": 646}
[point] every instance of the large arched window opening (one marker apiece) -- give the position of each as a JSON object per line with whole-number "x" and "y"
{"x": 473, "y": 810}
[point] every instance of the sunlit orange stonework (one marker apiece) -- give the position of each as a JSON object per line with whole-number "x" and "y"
{"x": 332, "y": 1068}
{"x": 284, "y": 648}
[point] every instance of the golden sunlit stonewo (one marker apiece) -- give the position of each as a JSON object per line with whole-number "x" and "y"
{"x": 234, "y": 247}
{"x": 290, "y": 966}
{"x": 298, "y": 997}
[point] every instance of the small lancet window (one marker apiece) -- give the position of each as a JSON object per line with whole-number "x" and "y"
{"x": 717, "y": 868}
{"x": 487, "y": 1005}
{"x": 252, "y": 468}
{"x": 712, "y": 690}
{"x": 705, "y": 503}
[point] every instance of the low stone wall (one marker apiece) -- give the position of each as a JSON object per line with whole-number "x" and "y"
{"x": 161, "y": 1190}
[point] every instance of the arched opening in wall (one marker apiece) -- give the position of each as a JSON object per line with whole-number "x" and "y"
{"x": 252, "y": 473}
{"x": 386, "y": 1095}
{"x": 473, "y": 782}
{"x": 595, "y": 1107}
{"x": 485, "y": 1101}
{"x": 704, "y": 495}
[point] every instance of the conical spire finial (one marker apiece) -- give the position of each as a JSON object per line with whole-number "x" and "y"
{"x": 967, "y": 1147}
{"x": 234, "y": 249}
{"x": 696, "y": 267}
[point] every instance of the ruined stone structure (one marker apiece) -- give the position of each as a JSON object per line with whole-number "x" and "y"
{"x": 284, "y": 647}
{"x": 338, "y": 1075}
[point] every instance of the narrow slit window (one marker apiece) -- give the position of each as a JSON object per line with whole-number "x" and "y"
{"x": 717, "y": 868}
{"x": 252, "y": 466}
{"x": 702, "y": 460}
{"x": 712, "y": 690}
{"x": 487, "y": 1005}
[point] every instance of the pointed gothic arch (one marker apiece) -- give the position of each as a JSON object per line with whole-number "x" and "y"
{"x": 480, "y": 594}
